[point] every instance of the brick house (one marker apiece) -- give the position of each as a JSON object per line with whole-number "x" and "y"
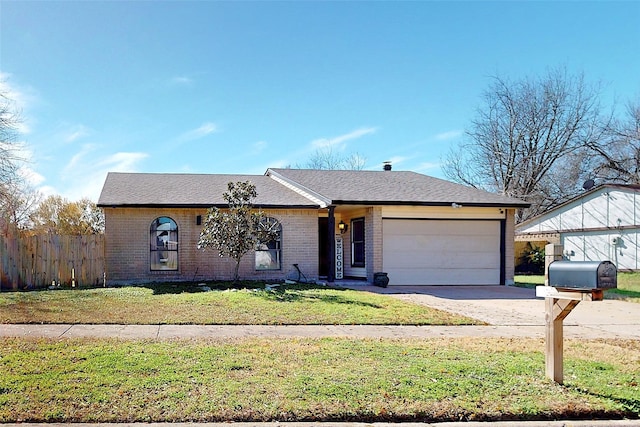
{"x": 334, "y": 224}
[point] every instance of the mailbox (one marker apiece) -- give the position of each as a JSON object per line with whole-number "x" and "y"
{"x": 583, "y": 274}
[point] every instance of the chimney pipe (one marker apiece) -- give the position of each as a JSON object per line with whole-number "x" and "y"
{"x": 387, "y": 166}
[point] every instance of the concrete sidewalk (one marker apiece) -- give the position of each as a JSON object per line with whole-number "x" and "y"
{"x": 162, "y": 332}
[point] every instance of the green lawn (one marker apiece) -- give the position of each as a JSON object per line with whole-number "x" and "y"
{"x": 529, "y": 281}
{"x": 628, "y": 286}
{"x": 188, "y": 304}
{"x": 313, "y": 380}
{"x": 332, "y": 379}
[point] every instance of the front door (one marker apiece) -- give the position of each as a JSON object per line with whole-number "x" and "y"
{"x": 323, "y": 247}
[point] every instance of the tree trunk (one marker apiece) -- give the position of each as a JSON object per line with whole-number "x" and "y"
{"x": 236, "y": 276}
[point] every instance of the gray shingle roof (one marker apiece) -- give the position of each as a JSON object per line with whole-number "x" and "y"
{"x": 191, "y": 190}
{"x": 335, "y": 187}
{"x": 391, "y": 187}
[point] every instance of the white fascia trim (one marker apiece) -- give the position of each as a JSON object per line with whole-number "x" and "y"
{"x": 322, "y": 201}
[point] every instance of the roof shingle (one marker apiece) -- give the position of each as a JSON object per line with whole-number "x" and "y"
{"x": 334, "y": 186}
{"x": 191, "y": 190}
{"x": 391, "y": 187}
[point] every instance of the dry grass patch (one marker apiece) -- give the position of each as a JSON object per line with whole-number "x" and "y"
{"x": 306, "y": 379}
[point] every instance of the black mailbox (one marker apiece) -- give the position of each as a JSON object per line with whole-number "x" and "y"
{"x": 583, "y": 274}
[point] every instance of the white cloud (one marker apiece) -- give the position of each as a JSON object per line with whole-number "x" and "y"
{"x": 259, "y": 147}
{"x": 446, "y": 136}
{"x": 182, "y": 80}
{"x": 19, "y": 99}
{"x": 85, "y": 175}
{"x": 200, "y": 132}
{"x": 123, "y": 161}
{"x": 396, "y": 160}
{"x": 23, "y": 152}
{"x": 32, "y": 177}
{"x": 76, "y": 132}
{"x": 47, "y": 190}
{"x": 426, "y": 166}
{"x": 276, "y": 164}
{"x": 78, "y": 158}
{"x": 342, "y": 139}
{"x": 11, "y": 91}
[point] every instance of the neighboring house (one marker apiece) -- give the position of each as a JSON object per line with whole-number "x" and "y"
{"x": 601, "y": 224}
{"x": 333, "y": 224}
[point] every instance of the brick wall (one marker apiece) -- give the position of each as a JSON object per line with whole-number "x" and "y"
{"x": 376, "y": 241}
{"x": 127, "y": 247}
{"x": 127, "y": 251}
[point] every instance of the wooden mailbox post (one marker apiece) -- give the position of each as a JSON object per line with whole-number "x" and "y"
{"x": 559, "y": 301}
{"x": 558, "y": 305}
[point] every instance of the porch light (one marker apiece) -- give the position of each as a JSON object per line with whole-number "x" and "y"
{"x": 342, "y": 227}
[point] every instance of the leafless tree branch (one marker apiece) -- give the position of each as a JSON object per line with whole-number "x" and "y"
{"x": 523, "y": 137}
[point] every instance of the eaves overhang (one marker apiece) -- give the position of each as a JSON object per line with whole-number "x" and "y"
{"x": 439, "y": 204}
{"x": 315, "y": 197}
{"x": 201, "y": 206}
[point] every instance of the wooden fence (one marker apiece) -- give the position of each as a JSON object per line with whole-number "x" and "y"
{"x": 37, "y": 262}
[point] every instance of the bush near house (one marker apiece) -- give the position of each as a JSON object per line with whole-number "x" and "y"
{"x": 530, "y": 259}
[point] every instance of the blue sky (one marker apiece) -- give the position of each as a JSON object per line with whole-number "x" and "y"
{"x": 237, "y": 87}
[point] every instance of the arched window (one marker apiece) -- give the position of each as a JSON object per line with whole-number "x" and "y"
{"x": 163, "y": 241}
{"x": 269, "y": 254}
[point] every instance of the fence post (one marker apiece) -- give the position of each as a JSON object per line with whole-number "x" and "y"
{"x": 552, "y": 252}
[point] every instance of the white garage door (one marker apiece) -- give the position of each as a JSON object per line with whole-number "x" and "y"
{"x": 432, "y": 252}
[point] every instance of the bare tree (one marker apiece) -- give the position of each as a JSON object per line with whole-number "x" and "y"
{"x": 10, "y": 157}
{"x": 16, "y": 198}
{"x": 355, "y": 162}
{"x": 618, "y": 151}
{"x": 522, "y": 140}
{"x": 328, "y": 159}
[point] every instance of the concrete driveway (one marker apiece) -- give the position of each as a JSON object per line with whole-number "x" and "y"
{"x": 519, "y": 308}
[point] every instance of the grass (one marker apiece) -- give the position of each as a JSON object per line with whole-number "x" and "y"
{"x": 529, "y": 281}
{"x": 332, "y": 379}
{"x": 313, "y": 380}
{"x": 628, "y": 286}
{"x": 188, "y": 304}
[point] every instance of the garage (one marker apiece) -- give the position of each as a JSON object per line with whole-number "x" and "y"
{"x": 442, "y": 252}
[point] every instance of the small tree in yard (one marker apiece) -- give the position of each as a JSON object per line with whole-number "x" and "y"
{"x": 235, "y": 231}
